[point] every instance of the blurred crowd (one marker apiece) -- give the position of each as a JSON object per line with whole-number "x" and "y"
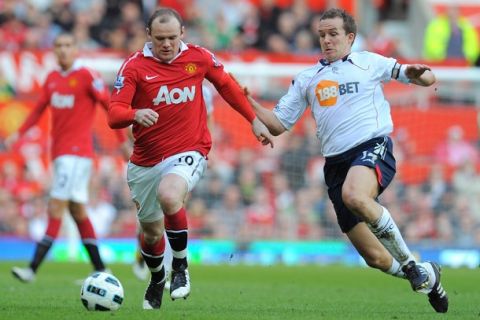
{"x": 229, "y": 25}
{"x": 249, "y": 193}
{"x": 265, "y": 193}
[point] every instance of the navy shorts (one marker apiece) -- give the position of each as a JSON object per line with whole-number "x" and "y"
{"x": 376, "y": 153}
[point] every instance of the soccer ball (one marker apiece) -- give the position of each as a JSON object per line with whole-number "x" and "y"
{"x": 101, "y": 291}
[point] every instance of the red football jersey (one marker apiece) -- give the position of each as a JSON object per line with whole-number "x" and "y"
{"x": 174, "y": 91}
{"x": 72, "y": 96}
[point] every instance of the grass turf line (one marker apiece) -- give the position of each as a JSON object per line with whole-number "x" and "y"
{"x": 244, "y": 292}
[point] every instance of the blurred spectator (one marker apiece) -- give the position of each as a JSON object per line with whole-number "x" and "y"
{"x": 199, "y": 220}
{"x": 392, "y": 9}
{"x": 304, "y": 43}
{"x": 101, "y": 212}
{"x": 7, "y": 91}
{"x": 260, "y": 215}
{"x": 268, "y": 14}
{"x": 284, "y": 202}
{"x": 229, "y": 216}
{"x": 451, "y": 35}
{"x": 455, "y": 150}
{"x": 423, "y": 225}
{"x": 436, "y": 185}
{"x": 379, "y": 42}
{"x": 13, "y": 32}
{"x": 293, "y": 162}
{"x": 466, "y": 182}
{"x": 276, "y": 43}
{"x": 222, "y": 31}
{"x": 307, "y": 224}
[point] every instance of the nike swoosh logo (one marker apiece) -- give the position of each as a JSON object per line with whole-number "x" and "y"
{"x": 150, "y": 77}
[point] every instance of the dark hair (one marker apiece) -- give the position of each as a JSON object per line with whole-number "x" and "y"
{"x": 64, "y": 34}
{"x": 348, "y": 22}
{"x": 165, "y": 14}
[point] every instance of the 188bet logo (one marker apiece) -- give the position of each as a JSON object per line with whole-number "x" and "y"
{"x": 327, "y": 91}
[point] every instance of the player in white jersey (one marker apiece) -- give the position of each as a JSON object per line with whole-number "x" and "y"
{"x": 344, "y": 92}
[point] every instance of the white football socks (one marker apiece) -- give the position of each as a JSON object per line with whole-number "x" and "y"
{"x": 396, "y": 269}
{"x": 389, "y": 235}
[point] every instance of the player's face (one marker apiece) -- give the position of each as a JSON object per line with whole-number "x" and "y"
{"x": 334, "y": 42}
{"x": 166, "y": 37}
{"x": 65, "y": 50}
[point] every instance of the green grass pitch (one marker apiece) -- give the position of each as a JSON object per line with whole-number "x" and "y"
{"x": 244, "y": 292}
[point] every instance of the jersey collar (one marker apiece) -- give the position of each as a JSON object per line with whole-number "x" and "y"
{"x": 324, "y": 62}
{"x": 77, "y": 64}
{"x": 147, "y": 50}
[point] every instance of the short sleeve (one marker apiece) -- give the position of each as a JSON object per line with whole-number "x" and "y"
{"x": 291, "y": 106}
{"x": 383, "y": 67}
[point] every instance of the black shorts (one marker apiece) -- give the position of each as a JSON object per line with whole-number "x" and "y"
{"x": 376, "y": 153}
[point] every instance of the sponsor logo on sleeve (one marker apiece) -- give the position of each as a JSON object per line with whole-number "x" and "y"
{"x": 119, "y": 83}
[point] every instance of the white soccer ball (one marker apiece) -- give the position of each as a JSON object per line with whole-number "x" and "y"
{"x": 101, "y": 291}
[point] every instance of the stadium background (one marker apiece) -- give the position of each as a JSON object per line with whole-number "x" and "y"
{"x": 255, "y": 205}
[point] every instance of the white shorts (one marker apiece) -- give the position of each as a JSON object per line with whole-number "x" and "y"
{"x": 71, "y": 178}
{"x": 143, "y": 181}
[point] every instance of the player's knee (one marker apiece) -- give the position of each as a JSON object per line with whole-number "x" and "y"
{"x": 354, "y": 200}
{"x": 170, "y": 201}
{"x": 78, "y": 211}
{"x": 151, "y": 237}
{"x": 56, "y": 208}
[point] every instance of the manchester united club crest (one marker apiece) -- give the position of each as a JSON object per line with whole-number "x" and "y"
{"x": 72, "y": 82}
{"x": 191, "y": 68}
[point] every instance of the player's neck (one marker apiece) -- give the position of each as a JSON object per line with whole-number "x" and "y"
{"x": 66, "y": 67}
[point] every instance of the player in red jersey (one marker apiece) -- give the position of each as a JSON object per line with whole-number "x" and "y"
{"x": 72, "y": 93}
{"x": 159, "y": 91}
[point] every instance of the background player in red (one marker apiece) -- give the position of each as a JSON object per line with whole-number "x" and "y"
{"x": 72, "y": 93}
{"x": 159, "y": 91}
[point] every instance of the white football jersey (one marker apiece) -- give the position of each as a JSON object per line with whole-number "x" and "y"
{"x": 346, "y": 98}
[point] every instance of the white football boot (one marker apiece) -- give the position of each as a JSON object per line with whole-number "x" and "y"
{"x": 180, "y": 284}
{"x": 140, "y": 270}
{"x": 23, "y": 274}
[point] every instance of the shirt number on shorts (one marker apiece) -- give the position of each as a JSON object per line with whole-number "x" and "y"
{"x": 187, "y": 159}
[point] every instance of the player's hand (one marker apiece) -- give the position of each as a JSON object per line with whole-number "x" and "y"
{"x": 146, "y": 117}
{"x": 11, "y": 140}
{"x": 414, "y": 71}
{"x": 262, "y": 133}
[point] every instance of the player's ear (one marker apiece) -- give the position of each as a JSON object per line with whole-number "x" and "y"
{"x": 351, "y": 37}
{"x": 182, "y": 31}
{"x": 149, "y": 33}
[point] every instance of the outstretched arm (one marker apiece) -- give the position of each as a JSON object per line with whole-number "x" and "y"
{"x": 266, "y": 116}
{"x": 31, "y": 120}
{"x": 420, "y": 74}
{"x": 232, "y": 93}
